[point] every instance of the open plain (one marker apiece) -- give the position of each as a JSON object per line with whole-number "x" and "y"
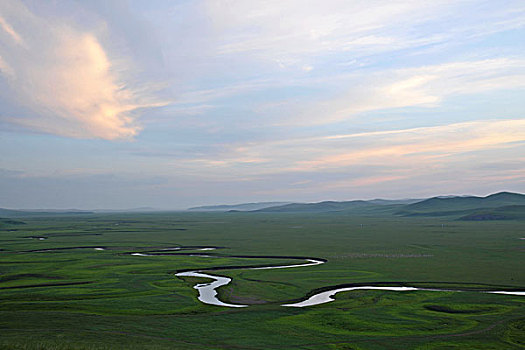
{"x": 71, "y": 281}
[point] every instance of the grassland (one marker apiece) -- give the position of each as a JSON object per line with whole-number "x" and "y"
{"x": 82, "y": 298}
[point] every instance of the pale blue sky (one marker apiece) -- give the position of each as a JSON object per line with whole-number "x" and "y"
{"x": 171, "y": 104}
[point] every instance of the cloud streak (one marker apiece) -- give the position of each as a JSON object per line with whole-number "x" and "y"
{"x": 296, "y": 32}
{"x": 63, "y": 80}
{"x": 426, "y": 86}
{"x": 400, "y": 149}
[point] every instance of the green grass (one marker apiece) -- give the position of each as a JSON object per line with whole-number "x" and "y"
{"x": 88, "y": 299}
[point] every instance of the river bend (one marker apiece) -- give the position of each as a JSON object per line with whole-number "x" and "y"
{"x": 208, "y": 290}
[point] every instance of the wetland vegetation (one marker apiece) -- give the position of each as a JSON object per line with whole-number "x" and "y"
{"x": 81, "y": 287}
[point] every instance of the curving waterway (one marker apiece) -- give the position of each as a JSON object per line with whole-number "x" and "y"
{"x": 326, "y": 297}
{"x": 208, "y": 290}
{"x": 208, "y": 293}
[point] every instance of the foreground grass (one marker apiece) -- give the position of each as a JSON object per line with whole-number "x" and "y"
{"x": 89, "y": 299}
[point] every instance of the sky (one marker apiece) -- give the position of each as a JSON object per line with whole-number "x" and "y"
{"x": 173, "y": 104}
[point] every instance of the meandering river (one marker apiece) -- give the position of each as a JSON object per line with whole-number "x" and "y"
{"x": 208, "y": 293}
{"x": 208, "y": 290}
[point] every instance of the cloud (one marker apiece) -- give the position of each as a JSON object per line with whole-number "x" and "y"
{"x": 62, "y": 79}
{"x": 425, "y": 86}
{"x": 312, "y": 101}
{"x": 290, "y": 33}
{"x": 426, "y": 145}
{"x": 405, "y": 149}
{"x": 5, "y": 68}
{"x": 287, "y": 29}
{"x": 10, "y": 31}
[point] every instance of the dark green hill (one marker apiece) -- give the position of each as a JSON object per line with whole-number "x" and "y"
{"x": 471, "y": 202}
{"x": 357, "y": 207}
{"x": 507, "y": 197}
{"x": 4, "y": 221}
{"x": 445, "y": 204}
{"x": 509, "y": 212}
{"x": 10, "y": 213}
{"x": 498, "y": 206}
{"x": 321, "y": 207}
{"x": 465, "y": 206}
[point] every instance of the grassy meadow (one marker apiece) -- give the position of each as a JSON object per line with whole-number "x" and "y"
{"x": 58, "y": 292}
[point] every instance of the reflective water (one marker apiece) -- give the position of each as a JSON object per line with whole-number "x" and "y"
{"x": 508, "y": 293}
{"x": 207, "y": 291}
{"x": 326, "y": 297}
{"x": 311, "y": 262}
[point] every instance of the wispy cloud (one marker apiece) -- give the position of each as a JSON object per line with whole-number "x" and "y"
{"x": 415, "y": 146}
{"x": 346, "y": 96}
{"x": 63, "y": 80}
{"x": 426, "y": 86}
{"x": 296, "y": 28}
{"x": 294, "y": 32}
{"x": 10, "y": 31}
{"x": 401, "y": 149}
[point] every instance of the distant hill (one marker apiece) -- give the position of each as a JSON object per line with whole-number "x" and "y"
{"x": 442, "y": 206}
{"x": 4, "y": 221}
{"x": 327, "y": 206}
{"x": 11, "y": 213}
{"x": 499, "y": 206}
{"x": 238, "y": 207}
{"x": 357, "y": 206}
{"x": 131, "y": 210}
{"x": 393, "y": 201}
{"x": 509, "y": 212}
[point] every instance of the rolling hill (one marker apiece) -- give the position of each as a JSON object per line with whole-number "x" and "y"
{"x": 238, "y": 207}
{"x": 498, "y": 206}
{"x": 321, "y": 207}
